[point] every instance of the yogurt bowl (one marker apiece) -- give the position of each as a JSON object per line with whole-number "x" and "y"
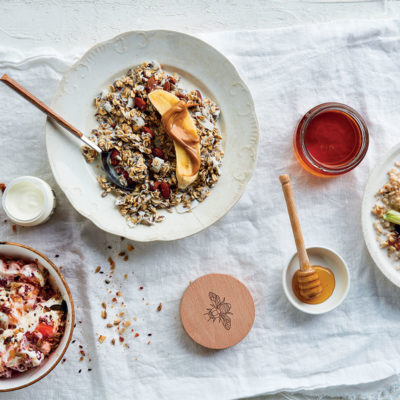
{"x": 327, "y": 258}
{"x": 23, "y": 379}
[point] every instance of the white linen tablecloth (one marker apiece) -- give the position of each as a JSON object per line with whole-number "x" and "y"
{"x": 288, "y": 71}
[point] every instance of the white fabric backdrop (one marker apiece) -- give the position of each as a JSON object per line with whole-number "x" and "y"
{"x": 288, "y": 72}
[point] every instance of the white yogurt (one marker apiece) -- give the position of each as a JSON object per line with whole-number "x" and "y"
{"x": 25, "y": 200}
{"x": 28, "y": 201}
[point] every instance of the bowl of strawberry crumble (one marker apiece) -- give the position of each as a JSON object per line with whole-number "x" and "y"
{"x": 178, "y": 125}
{"x": 36, "y": 316}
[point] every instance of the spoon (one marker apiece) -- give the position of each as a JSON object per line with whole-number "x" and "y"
{"x": 105, "y": 156}
{"x": 308, "y": 279}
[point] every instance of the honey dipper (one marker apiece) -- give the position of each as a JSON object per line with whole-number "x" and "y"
{"x": 308, "y": 279}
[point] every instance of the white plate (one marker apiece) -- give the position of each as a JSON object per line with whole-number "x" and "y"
{"x": 376, "y": 180}
{"x": 201, "y": 66}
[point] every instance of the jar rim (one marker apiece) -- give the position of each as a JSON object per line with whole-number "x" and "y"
{"x": 311, "y": 114}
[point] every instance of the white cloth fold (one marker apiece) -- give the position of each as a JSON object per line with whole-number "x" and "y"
{"x": 288, "y": 71}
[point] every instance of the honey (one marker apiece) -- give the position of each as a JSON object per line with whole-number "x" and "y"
{"x": 327, "y": 279}
{"x": 331, "y": 139}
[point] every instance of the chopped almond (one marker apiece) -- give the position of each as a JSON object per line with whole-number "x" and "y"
{"x": 102, "y": 338}
{"x": 126, "y": 323}
{"x": 104, "y": 305}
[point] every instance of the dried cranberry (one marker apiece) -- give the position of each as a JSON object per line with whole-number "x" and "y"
{"x": 3, "y": 282}
{"x": 5, "y": 309}
{"x": 172, "y": 80}
{"x": 154, "y": 186}
{"x": 148, "y": 130}
{"x": 140, "y": 103}
{"x": 182, "y": 96}
{"x": 165, "y": 190}
{"x": 113, "y": 157}
{"x": 119, "y": 170}
{"x": 151, "y": 84}
{"x": 157, "y": 152}
{"x": 167, "y": 86}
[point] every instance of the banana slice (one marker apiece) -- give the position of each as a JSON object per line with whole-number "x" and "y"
{"x": 185, "y": 170}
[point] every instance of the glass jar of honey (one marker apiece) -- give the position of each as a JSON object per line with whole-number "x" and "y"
{"x": 331, "y": 139}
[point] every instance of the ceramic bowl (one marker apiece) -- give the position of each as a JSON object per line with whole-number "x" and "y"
{"x": 327, "y": 258}
{"x": 200, "y": 67}
{"x": 32, "y": 376}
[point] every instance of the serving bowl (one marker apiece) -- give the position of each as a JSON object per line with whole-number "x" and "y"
{"x": 200, "y": 66}
{"x": 35, "y": 374}
{"x": 327, "y": 258}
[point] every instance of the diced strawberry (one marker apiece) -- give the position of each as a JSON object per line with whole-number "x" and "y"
{"x": 157, "y": 152}
{"x": 165, "y": 190}
{"x": 140, "y": 103}
{"x": 148, "y": 130}
{"x": 45, "y": 330}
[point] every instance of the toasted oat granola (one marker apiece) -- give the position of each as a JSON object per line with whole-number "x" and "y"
{"x": 388, "y": 198}
{"x": 143, "y": 154}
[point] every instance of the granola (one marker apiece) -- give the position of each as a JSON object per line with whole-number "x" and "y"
{"x": 143, "y": 154}
{"x": 388, "y": 198}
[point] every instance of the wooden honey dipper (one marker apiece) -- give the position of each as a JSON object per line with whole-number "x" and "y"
{"x": 308, "y": 279}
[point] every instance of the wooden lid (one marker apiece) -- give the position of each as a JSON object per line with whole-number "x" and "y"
{"x": 217, "y": 311}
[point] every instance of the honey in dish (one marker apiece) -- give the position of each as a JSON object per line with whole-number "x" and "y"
{"x": 327, "y": 279}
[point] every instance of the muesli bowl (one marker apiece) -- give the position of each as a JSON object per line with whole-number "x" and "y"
{"x": 23, "y": 379}
{"x": 200, "y": 67}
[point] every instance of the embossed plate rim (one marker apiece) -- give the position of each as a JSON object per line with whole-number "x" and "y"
{"x": 91, "y": 205}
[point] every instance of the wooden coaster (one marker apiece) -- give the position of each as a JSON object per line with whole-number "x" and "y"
{"x": 217, "y": 311}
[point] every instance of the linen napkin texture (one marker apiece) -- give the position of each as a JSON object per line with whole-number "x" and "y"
{"x": 288, "y": 72}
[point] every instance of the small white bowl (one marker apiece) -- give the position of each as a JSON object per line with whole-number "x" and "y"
{"x": 326, "y": 258}
{"x": 35, "y": 374}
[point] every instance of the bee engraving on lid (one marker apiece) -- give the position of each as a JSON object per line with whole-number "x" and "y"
{"x": 219, "y": 310}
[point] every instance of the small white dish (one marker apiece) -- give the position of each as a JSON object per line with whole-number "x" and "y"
{"x": 326, "y": 258}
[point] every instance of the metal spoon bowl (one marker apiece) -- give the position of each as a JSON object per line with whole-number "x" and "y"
{"x": 109, "y": 169}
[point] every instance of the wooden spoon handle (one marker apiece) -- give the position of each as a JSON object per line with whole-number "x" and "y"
{"x": 41, "y": 106}
{"x": 294, "y": 220}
